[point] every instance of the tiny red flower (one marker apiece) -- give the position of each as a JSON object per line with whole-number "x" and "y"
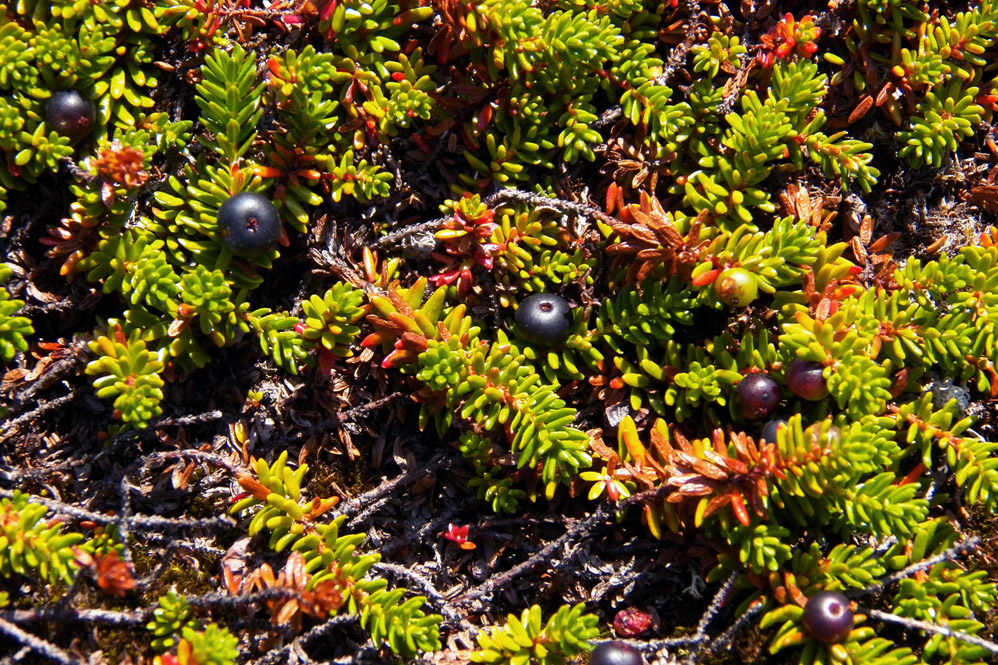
{"x": 459, "y": 535}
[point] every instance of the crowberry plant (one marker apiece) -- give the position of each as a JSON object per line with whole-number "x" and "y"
{"x": 245, "y": 239}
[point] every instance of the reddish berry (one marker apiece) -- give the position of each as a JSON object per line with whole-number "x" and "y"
{"x": 249, "y": 223}
{"x": 756, "y": 396}
{"x": 805, "y": 379}
{"x": 631, "y": 622}
{"x": 828, "y": 617}
{"x": 615, "y": 653}
{"x": 70, "y": 114}
{"x": 736, "y": 287}
{"x": 544, "y": 319}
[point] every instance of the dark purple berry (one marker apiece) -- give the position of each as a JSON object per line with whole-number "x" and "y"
{"x": 768, "y": 431}
{"x": 544, "y": 319}
{"x": 70, "y": 114}
{"x": 615, "y": 653}
{"x": 804, "y": 379}
{"x": 736, "y": 287}
{"x": 249, "y": 223}
{"x": 828, "y": 617}
{"x": 756, "y": 396}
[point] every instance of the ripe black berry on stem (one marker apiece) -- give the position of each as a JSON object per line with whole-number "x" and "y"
{"x": 249, "y": 223}
{"x": 544, "y": 319}
{"x": 756, "y": 396}
{"x": 615, "y": 653}
{"x": 828, "y": 617}
{"x": 70, "y": 114}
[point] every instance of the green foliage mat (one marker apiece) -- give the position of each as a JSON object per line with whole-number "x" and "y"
{"x": 774, "y": 232}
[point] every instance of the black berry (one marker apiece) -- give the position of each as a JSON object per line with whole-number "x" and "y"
{"x": 827, "y": 617}
{"x": 544, "y": 319}
{"x": 756, "y": 396}
{"x": 249, "y": 223}
{"x": 70, "y": 114}
{"x": 736, "y": 287}
{"x": 615, "y": 653}
{"x": 804, "y": 379}
{"x": 768, "y": 431}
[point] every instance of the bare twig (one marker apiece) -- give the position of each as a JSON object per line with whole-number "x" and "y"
{"x": 549, "y": 550}
{"x": 608, "y": 117}
{"x": 350, "y": 415}
{"x": 47, "y": 649}
{"x": 540, "y": 557}
{"x": 155, "y": 522}
{"x": 677, "y": 58}
{"x": 142, "y": 521}
{"x": 341, "y": 268}
{"x": 279, "y": 655}
{"x": 110, "y": 617}
{"x": 440, "y": 519}
{"x": 151, "y": 522}
{"x": 715, "y": 605}
{"x": 386, "y": 488}
{"x": 449, "y": 612}
{"x": 199, "y": 455}
{"x": 951, "y": 553}
{"x": 497, "y": 197}
{"x": 356, "y": 412}
{"x": 105, "y": 617}
{"x": 226, "y": 600}
{"x": 183, "y": 421}
{"x": 724, "y": 639}
{"x": 401, "y": 234}
{"x": 36, "y": 412}
{"x": 53, "y": 372}
{"x": 126, "y": 519}
{"x": 369, "y": 510}
{"x": 561, "y": 205}
{"x": 935, "y": 628}
{"x": 76, "y": 170}
{"x": 658, "y": 645}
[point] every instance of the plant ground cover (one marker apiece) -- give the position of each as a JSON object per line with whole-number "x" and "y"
{"x": 434, "y": 331}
